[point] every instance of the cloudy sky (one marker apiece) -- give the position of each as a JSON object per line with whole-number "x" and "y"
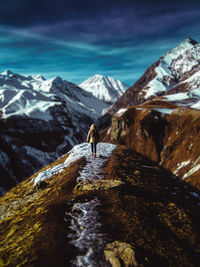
{"x": 78, "y": 38}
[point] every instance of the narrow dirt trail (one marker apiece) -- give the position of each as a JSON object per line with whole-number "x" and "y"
{"x": 85, "y": 223}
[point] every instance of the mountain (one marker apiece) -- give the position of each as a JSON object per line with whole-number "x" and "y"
{"x": 175, "y": 72}
{"x": 41, "y": 119}
{"x": 159, "y": 116}
{"x": 120, "y": 209}
{"x": 104, "y": 88}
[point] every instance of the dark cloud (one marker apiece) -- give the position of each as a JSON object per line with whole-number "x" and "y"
{"x": 23, "y": 12}
{"x": 79, "y": 38}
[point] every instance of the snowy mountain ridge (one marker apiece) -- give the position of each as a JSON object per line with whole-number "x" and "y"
{"x": 174, "y": 69}
{"x": 34, "y": 97}
{"x": 104, "y": 87}
{"x": 176, "y": 73}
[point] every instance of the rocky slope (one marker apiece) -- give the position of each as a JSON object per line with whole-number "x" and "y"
{"x": 104, "y": 87}
{"x": 119, "y": 209}
{"x": 41, "y": 119}
{"x": 162, "y": 131}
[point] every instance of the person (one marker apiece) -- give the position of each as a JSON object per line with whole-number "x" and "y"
{"x": 93, "y": 138}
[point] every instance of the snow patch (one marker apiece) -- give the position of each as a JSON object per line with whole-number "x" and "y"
{"x": 109, "y": 130}
{"x": 85, "y": 226}
{"x": 164, "y": 110}
{"x": 121, "y": 111}
{"x": 77, "y": 152}
{"x": 196, "y": 105}
{"x": 194, "y": 169}
{"x": 177, "y": 97}
{"x": 191, "y": 171}
{"x": 181, "y": 165}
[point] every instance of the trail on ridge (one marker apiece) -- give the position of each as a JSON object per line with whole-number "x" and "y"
{"x": 85, "y": 223}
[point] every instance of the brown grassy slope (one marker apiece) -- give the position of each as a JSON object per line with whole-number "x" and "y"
{"x": 152, "y": 211}
{"x": 33, "y": 231}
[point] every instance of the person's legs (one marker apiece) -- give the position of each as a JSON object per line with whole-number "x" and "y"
{"x": 95, "y": 149}
{"x": 92, "y": 147}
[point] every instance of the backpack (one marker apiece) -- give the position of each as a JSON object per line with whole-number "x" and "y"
{"x": 94, "y": 135}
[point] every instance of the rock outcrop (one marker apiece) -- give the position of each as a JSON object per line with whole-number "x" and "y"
{"x": 164, "y": 132}
{"x": 117, "y": 252}
{"x": 97, "y": 185}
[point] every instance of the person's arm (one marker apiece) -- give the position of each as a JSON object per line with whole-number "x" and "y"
{"x": 88, "y": 137}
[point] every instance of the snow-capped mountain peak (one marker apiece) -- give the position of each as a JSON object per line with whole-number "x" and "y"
{"x": 173, "y": 77}
{"x": 104, "y": 87}
{"x": 38, "y": 77}
{"x": 175, "y": 52}
{"x": 173, "y": 67}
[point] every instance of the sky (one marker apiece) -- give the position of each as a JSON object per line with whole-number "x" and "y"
{"x": 77, "y": 39}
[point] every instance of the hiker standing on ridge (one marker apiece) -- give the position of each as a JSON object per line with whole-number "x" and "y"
{"x": 93, "y": 138}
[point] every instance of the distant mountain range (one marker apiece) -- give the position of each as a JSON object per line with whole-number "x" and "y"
{"x": 42, "y": 119}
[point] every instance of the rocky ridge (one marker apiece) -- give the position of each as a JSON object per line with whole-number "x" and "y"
{"x": 148, "y": 219}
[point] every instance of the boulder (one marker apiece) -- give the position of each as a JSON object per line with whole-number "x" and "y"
{"x": 97, "y": 185}
{"x": 118, "y": 252}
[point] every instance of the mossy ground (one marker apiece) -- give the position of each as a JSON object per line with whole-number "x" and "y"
{"x": 33, "y": 231}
